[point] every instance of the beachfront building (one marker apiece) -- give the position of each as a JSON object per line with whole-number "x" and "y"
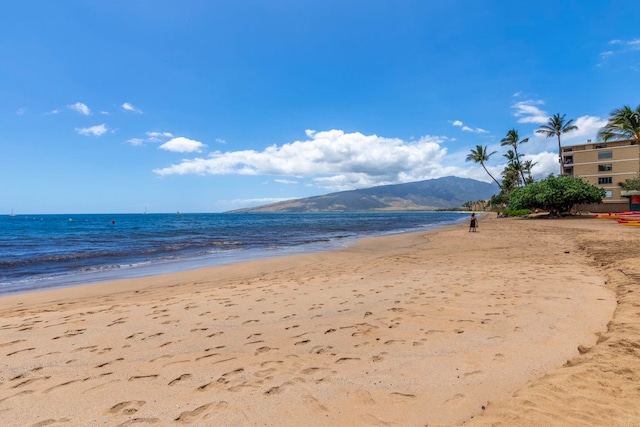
{"x": 606, "y": 165}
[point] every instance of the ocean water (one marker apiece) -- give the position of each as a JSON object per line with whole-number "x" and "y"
{"x": 46, "y": 251}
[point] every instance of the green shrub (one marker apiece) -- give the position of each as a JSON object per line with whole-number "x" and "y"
{"x": 516, "y": 212}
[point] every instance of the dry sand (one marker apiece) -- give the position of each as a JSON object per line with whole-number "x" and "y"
{"x": 409, "y": 330}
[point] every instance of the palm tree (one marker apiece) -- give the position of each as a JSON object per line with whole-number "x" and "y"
{"x": 513, "y": 139}
{"x": 511, "y": 173}
{"x": 623, "y": 123}
{"x": 527, "y": 165}
{"x": 480, "y": 155}
{"x": 555, "y": 127}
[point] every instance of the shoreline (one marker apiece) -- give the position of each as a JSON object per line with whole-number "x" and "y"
{"x": 413, "y": 329}
{"x": 179, "y": 263}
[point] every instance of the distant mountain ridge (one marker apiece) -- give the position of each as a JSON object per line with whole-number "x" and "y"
{"x": 440, "y": 193}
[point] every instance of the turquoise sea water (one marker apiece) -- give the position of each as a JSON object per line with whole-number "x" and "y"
{"x": 44, "y": 251}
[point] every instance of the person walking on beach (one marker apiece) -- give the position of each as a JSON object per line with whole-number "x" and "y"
{"x": 473, "y": 225}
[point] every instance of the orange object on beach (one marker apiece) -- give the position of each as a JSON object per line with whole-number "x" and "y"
{"x": 606, "y": 216}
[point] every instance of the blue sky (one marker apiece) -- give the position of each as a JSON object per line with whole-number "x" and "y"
{"x": 208, "y": 106}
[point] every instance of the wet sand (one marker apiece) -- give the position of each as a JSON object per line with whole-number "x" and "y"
{"x": 512, "y": 325}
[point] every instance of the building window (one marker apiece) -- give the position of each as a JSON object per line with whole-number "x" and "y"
{"x": 600, "y": 146}
{"x": 605, "y": 168}
{"x": 608, "y": 193}
{"x": 605, "y": 180}
{"x": 605, "y": 154}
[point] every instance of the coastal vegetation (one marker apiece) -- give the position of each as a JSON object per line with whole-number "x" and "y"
{"x": 513, "y": 139}
{"x": 631, "y": 184}
{"x": 555, "y": 194}
{"x": 556, "y": 126}
{"x": 623, "y": 123}
{"x": 519, "y": 192}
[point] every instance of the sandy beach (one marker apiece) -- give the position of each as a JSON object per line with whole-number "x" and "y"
{"x": 525, "y": 322}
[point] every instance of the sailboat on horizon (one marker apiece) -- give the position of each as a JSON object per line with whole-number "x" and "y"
{"x": 12, "y": 214}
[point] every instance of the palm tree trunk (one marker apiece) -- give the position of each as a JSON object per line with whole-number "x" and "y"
{"x": 494, "y": 180}
{"x": 560, "y": 156}
{"x": 524, "y": 182}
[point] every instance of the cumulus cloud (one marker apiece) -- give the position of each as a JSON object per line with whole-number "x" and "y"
{"x": 588, "y": 127}
{"x": 153, "y": 136}
{"x": 334, "y": 159}
{"x": 465, "y": 128}
{"x": 528, "y": 112}
{"x": 55, "y": 111}
{"x": 545, "y": 163}
{"x": 183, "y": 145}
{"x": 97, "y": 130}
{"x": 128, "y": 107}
{"x": 80, "y": 108}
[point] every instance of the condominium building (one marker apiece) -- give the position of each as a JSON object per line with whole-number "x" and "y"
{"x": 606, "y": 165}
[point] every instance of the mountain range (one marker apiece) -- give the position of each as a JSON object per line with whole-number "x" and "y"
{"x": 432, "y": 194}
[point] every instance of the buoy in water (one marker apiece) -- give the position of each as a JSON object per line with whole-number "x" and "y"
{"x": 113, "y": 221}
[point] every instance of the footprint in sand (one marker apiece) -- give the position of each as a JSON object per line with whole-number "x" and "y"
{"x": 364, "y": 397}
{"x": 200, "y": 413}
{"x": 456, "y": 399}
{"x": 314, "y": 404}
{"x": 402, "y": 396}
{"x": 263, "y": 350}
{"x": 180, "y": 378}
{"x": 347, "y": 359}
{"x": 143, "y": 377}
{"x": 50, "y": 422}
{"x": 469, "y": 374}
{"x": 126, "y": 408}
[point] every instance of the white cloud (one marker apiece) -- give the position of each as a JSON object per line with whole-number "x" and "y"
{"x": 619, "y": 48}
{"x": 182, "y": 145}
{"x": 334, "y": 159}
{"x": 97, "y": 130}
{"x": 285, "y": 181}
{"x": 158, "y": 136}
{"x": 55, "y": 111}
{"x": 153, "y": 136}
{"x": 20, "y": 111}
{"x": 80, "y": 108}
{"x": 588, "y": 127}
{"x": 128, "y": 107}
{"x": 465, "y": 128}
{"x": 545, "y": 163}
{"x": 528, "y": 112}
{"x": 220, "y": 141}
